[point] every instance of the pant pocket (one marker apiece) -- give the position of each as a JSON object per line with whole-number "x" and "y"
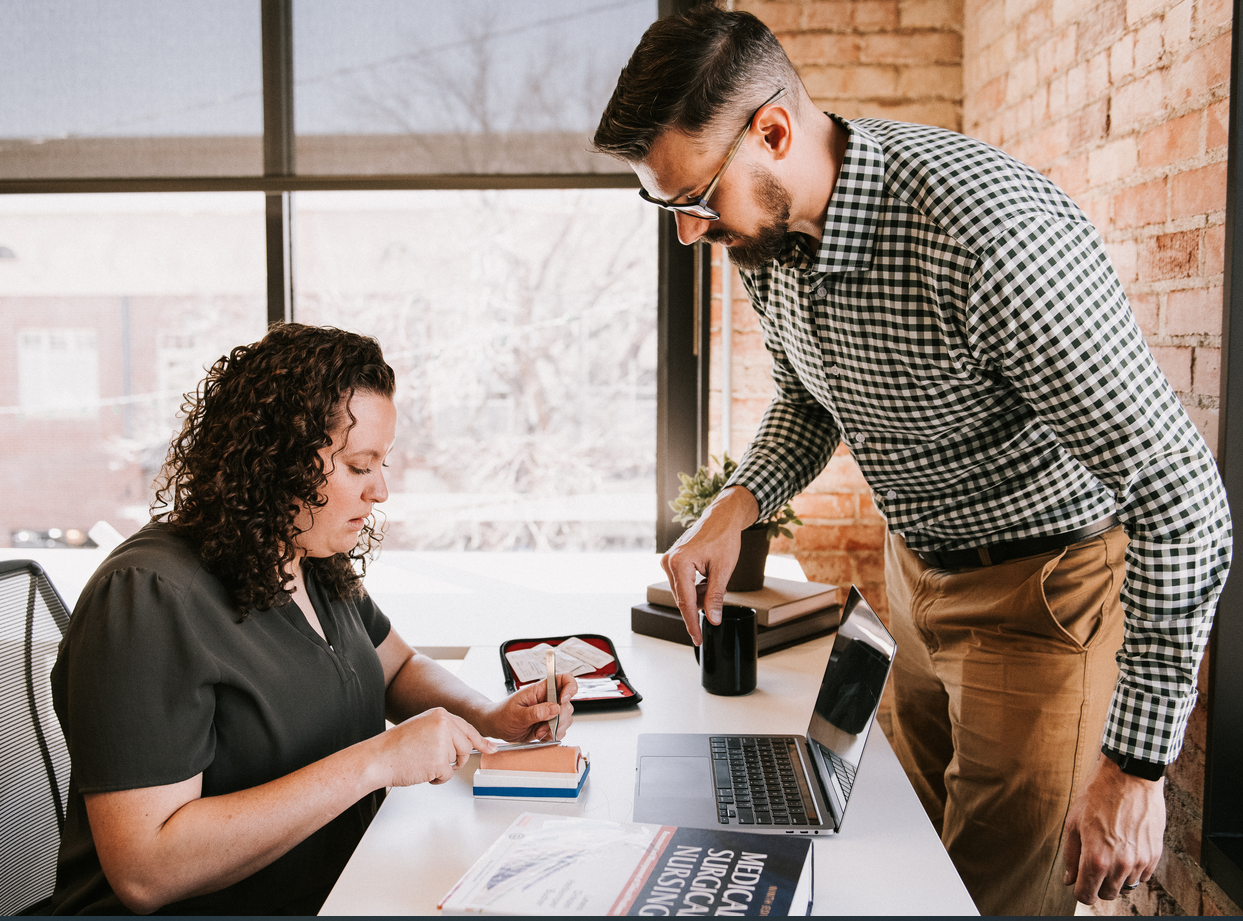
{"x": 1081, "y": 587}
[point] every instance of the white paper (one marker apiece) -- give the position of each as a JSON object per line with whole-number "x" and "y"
{"x": 581, "y": 649}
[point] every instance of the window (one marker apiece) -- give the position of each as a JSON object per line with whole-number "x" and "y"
{"x": 211, "y": 141}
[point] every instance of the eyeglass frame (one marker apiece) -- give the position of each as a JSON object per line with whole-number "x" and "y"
{"x": 701, "y": 209}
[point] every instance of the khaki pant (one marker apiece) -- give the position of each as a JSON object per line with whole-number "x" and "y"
{"x": 1001, "y": 682}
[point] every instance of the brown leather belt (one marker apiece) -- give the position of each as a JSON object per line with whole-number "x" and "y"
{"x": 1013, "y": 549}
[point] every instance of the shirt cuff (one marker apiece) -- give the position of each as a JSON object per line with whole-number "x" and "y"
{"x": 1145, "y": 726}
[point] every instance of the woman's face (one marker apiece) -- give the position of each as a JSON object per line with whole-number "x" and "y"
{"x": 354, "y": 466}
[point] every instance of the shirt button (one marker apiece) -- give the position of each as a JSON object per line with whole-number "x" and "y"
{"x": 820, "y": 292}
{"x": 832, "y": 369}
{"x": 891, "y": 495}
{"x": 860, "y": 438}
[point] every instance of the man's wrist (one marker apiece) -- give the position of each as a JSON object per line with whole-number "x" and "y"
{"x": 1135, "y": 767}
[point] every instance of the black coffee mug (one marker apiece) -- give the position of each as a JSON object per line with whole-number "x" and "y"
{"x": 730, "y": 656}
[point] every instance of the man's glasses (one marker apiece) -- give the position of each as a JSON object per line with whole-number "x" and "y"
{"x": 700, "y": 209}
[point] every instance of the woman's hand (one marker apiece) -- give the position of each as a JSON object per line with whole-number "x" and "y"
{"x": 524, "y": 715}
{"x": 428, "y": 748}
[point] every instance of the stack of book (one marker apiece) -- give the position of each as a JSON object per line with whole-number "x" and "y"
{"x": 788, "y": 612}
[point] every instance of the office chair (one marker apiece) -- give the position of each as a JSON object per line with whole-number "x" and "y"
{"x": 34, "y": 762}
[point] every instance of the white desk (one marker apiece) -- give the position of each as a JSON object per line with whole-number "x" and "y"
{"x": 887, "y": 860}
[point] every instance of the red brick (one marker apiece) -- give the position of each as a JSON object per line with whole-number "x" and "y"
{"x": 939, "y": 47}
{"x": 1193, "y": 312}
{"x": 1139, "y": 9}
{"x": 1100, "y": 24}
{"x": 870, "y": 566}
{"x": 841, "y": 475}
{"x": 875, "y": 14}
{"x": 991, "y": 95}
{"x": 1171, "y": 255}
{"x": 1204, "y": 69}
{"x": 1098, "y": 211}
{"x": 1218, "y": 132}
{"x": 778, "y": 16}
{"x": 833, "y": 568}
{"x": 1206, "y": 372}
{"x": 985, "y": 25}
{"x": 1176, "y": 27}
{"x": 1175, "y": 362}
{"x": 821, "y": 48}
{"x": 1036, "y": 26}
{"x": 1136, "y": 102}
{"x": 1148, "y": 45}
{"x": 1141, "y": 205}
{"x": 1210, "y": 13}
{"x": 1124, "y": 254}
{"x": 1198, "y": 191}
{"x": 1145, "y": 308}
{"x": 1122, "y": 57}
{"x": 1170, "y": 142}
{"x": 1116, "y": 160}
{"x": 851, "y": 81}
{"x": 930, "y": 14}
{"x": 1088, "y": 126}
{"x": 829, "y": 14}
{"x": 834, "y": 506}
{"x": 868, "y": 510}
{"x": 939, "y": 80}
{"x": 1214, "y": 249}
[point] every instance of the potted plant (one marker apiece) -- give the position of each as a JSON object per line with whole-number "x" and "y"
{"x": 696, "y": 495}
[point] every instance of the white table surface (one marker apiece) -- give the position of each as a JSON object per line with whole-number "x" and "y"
{"x": 887, "y": 860}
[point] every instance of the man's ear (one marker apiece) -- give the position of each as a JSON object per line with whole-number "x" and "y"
{"x": 776, "y": 127}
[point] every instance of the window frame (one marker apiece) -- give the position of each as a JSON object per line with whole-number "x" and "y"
{"x": 1222, "y": 841}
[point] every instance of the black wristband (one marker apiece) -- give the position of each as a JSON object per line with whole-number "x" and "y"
{"x": 1148, "y": 770}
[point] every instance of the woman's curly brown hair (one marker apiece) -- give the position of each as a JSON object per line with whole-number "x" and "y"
{"x": 247, "y": 458}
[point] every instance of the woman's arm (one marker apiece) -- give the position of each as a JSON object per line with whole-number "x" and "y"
{"x": 162, "y": 844}
{"x": 417, "y": 683}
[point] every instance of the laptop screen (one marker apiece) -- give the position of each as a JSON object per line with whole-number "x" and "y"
{"x": 853, "y": 682}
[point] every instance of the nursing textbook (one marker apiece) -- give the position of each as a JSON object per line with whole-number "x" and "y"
{"x": 572, "y": 865}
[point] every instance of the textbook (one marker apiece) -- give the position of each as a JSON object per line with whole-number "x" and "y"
{"x": 552, "y": 772}
{"x": 666, "y": 624}
{"x": 571, "y": 865}
{"x": 779, "y": 600}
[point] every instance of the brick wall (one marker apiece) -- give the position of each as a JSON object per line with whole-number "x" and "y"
{"x": 1124, "y": 104}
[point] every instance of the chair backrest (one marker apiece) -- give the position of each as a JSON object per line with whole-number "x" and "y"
{"x": 34, "y": 762}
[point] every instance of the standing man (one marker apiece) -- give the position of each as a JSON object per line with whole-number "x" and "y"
{"x": 1057, "y": 531}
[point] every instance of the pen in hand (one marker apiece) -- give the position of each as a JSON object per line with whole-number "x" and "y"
{"x": 550, "y": 663}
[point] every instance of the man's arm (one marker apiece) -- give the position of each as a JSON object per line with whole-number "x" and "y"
{"x": 795, "y": 440}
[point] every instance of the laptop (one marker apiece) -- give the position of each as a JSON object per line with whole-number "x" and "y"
{"x": 797, "y": 785}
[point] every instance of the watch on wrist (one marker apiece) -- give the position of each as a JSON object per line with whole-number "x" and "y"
{"x": 1148, "y": 770}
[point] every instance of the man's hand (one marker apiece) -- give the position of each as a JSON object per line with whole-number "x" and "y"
{"x": 1113, "y": 833}
{"x": 710, "y": 547}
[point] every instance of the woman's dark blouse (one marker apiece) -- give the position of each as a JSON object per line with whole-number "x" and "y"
{"x": 159, "y": 679}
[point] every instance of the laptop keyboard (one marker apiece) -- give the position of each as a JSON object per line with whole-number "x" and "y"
{"x": 760, "y": 781}
{"x": 845, "y": 773}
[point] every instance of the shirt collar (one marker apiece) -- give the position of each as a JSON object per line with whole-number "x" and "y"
{"x": 850, "y": 223}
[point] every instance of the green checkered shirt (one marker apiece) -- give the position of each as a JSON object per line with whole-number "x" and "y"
{"x": 962, "y": 329}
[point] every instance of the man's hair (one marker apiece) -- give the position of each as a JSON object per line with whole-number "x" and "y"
{"x": 246, "y": 460}
{"x": 692, "y": 73}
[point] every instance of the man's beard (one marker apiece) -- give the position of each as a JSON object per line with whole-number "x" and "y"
{"x": 757, "y": 251}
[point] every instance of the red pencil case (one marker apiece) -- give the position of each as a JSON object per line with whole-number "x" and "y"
{"x": 630, "y": 697}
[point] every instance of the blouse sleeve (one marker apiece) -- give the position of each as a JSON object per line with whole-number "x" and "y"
{"x": 133, "y": 686}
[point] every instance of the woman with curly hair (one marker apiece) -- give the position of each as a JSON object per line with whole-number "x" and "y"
{"x": 225, "y": 679}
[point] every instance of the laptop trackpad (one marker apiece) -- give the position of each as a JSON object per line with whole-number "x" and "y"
{"x": 673, "y": 776}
